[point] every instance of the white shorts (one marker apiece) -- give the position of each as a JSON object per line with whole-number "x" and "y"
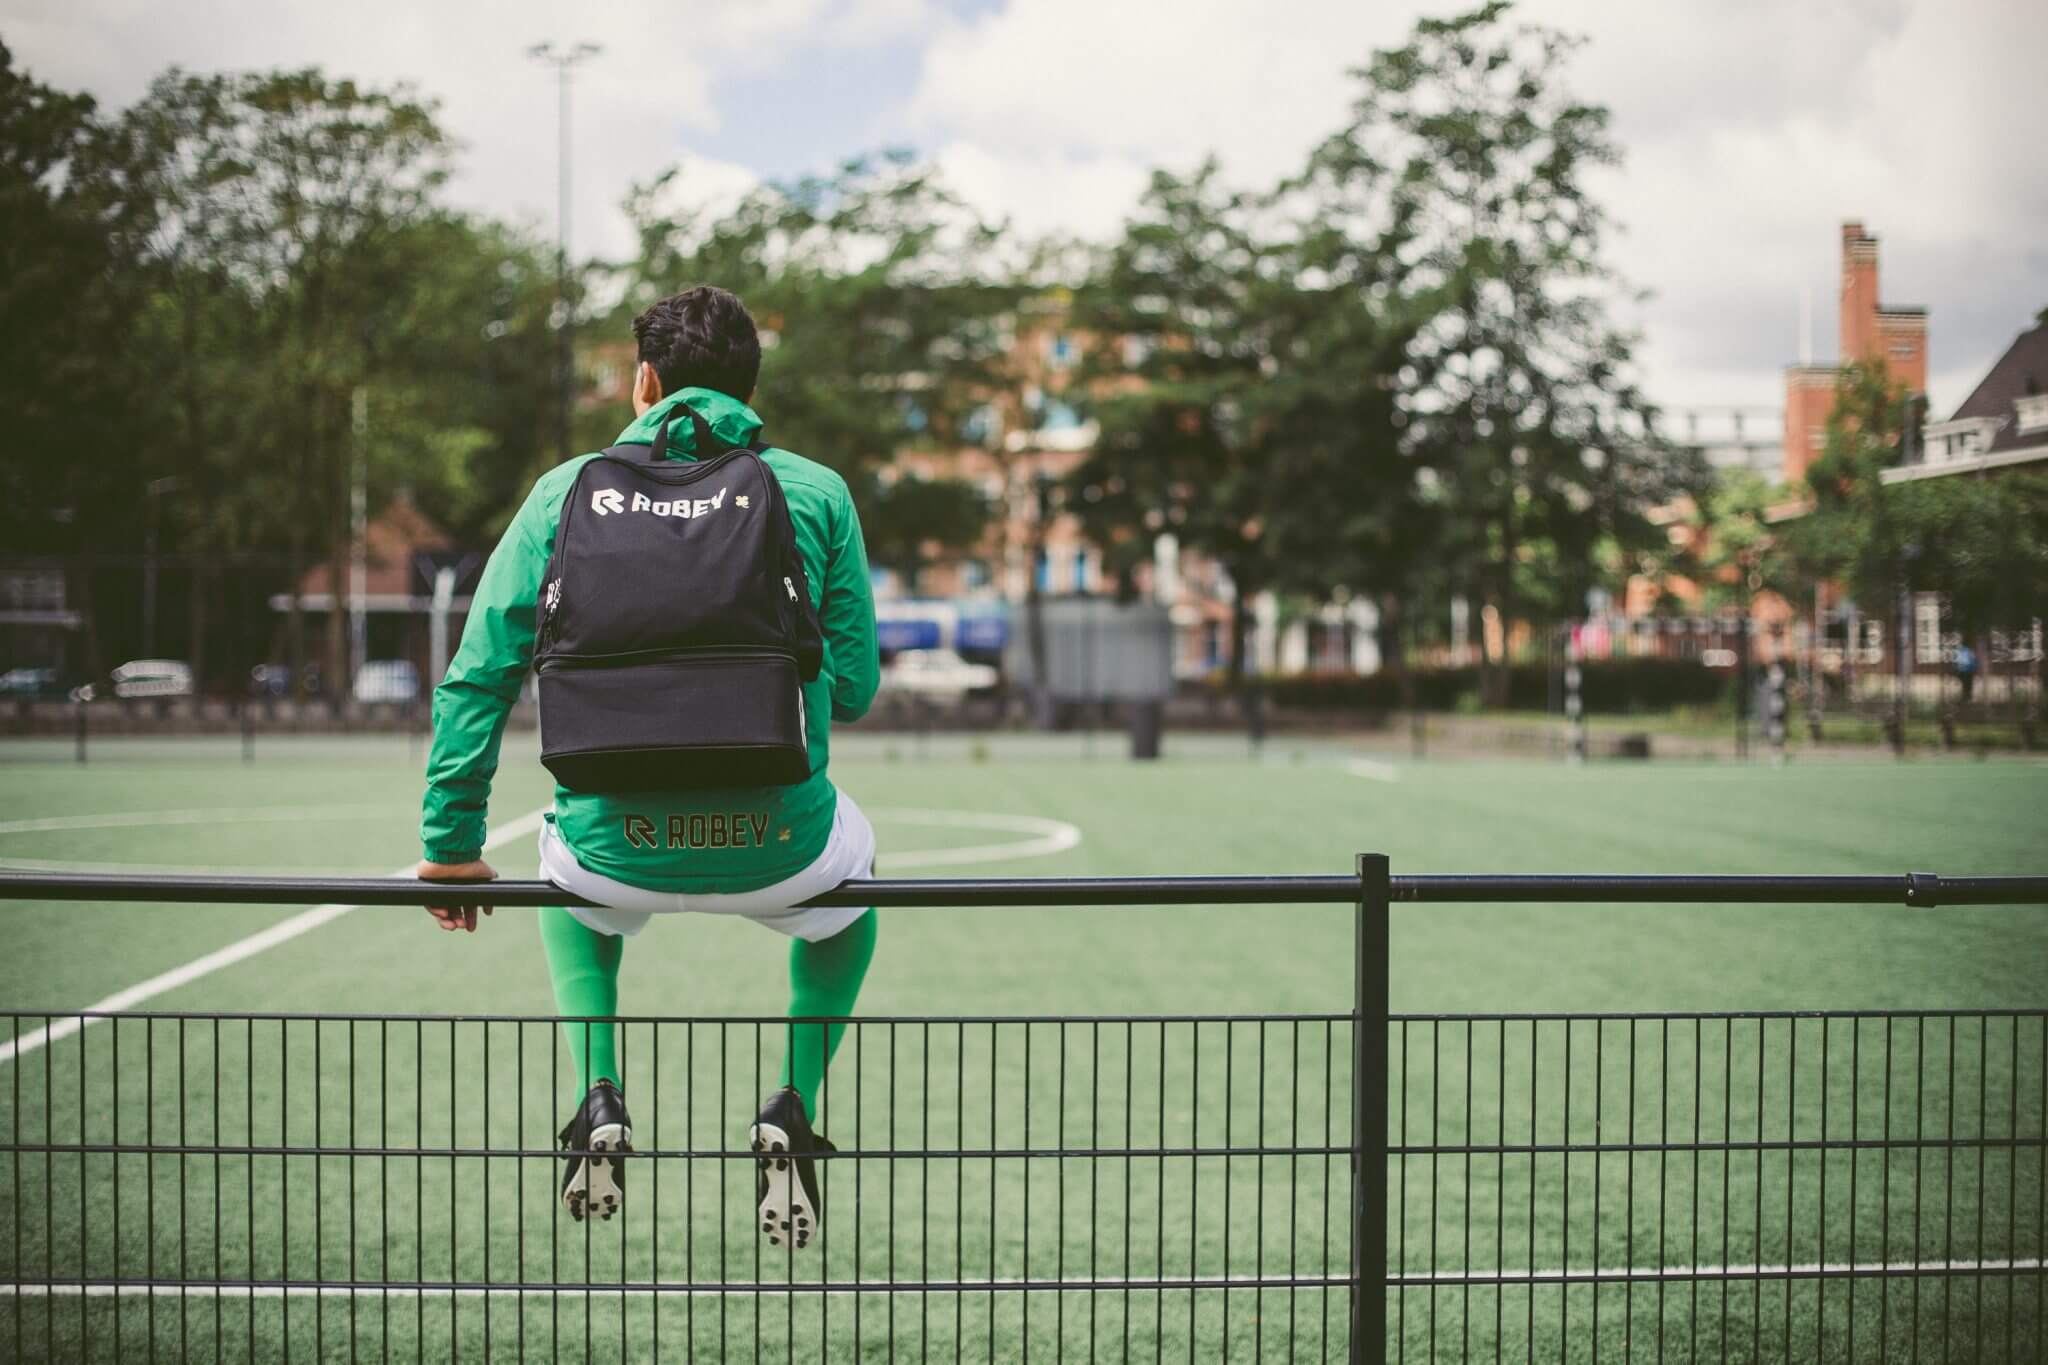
{"x": 849, "y": 852}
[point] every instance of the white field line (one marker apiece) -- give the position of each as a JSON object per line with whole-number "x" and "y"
{"x": 1373, "y": 768}
{"x": 1551, "y": 1274}
{"x": 144, "y": 819}
{"x": 170, "y": 1289}
{"x": 282, "y": 932}
{"x": 1049, "y": 837}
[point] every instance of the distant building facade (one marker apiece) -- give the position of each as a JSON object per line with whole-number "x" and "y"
{"x": 2002, "y": 425}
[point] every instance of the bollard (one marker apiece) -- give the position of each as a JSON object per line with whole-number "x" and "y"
{"x": 1148, "y": 721}
{"x": 1774, "y": 711}
{"x": 1574, "y": 712}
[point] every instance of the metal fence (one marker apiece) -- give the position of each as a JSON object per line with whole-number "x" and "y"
{"x": 1740, "y": 1186}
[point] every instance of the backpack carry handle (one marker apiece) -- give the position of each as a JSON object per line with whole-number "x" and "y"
{"x": 705, "y": 438}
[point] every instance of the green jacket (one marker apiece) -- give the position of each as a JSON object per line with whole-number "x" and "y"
{"x": 735, "y": 839}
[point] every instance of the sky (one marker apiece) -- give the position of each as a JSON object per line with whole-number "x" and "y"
{"x": 1750, "y": 129}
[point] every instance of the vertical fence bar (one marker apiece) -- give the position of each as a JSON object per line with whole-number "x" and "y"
{"x": 1369, "y": 1009}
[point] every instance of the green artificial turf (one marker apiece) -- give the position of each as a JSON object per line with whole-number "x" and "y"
{"x": 1109, "y": 1080}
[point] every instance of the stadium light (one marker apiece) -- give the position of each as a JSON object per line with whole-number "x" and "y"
{"x": 564, "y": 60}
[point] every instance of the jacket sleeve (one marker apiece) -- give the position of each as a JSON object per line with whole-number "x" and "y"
{"x": 482, "y": 683}
{"x": 848, "y": 619}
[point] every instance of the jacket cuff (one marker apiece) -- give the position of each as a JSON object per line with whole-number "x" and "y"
{"x": 449, "y": 853}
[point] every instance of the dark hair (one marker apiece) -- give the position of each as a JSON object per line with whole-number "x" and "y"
{"x": 702, "y": 338}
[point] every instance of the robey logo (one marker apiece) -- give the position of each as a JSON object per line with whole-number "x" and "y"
{"x": 606, "y": 501}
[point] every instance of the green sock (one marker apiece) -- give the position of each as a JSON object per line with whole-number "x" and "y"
{"x": 584, "y": 966}
{"x": 824, "y": 979}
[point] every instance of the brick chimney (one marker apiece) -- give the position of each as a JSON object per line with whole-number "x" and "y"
{"x": 1860, "y": 339}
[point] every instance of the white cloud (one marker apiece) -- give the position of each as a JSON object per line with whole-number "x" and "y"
{"x": 634, "y": 107}
{"x": 1047, "y": 192}
{"x": 1751, "y": 130}
{"x": 1151, "y": 79}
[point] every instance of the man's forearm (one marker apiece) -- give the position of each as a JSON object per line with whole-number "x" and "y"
{"x": 469, "y": 729}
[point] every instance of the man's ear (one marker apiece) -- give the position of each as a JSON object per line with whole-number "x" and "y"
{"x": 646, "y": 388}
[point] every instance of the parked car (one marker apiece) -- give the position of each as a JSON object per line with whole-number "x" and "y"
{"x": 275, "y": 680}
{"x": 936, "y": 672}
{"x": 30, "y": 684}
{"x": 141, "y": 678}
{"x": 387, "y": 680}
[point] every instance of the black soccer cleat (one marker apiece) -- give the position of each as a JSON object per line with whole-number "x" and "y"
{"x": 594, "y": 1179}
{"x": 785, "y": 1183}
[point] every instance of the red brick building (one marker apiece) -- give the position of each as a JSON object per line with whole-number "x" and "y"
{"x": 1893, "y": 335}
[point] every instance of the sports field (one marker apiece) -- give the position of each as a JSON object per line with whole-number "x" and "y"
{"x": 387, "y": 1090}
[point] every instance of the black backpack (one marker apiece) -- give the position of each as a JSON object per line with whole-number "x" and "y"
{"x": 676, "y": 626}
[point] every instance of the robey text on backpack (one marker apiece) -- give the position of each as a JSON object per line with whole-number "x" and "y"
{"x": 676, "y": 627}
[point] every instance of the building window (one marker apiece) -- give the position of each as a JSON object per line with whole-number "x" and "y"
{"x": 32, "y": 589}
{"x": 2032, "y": 412}
{"x": 1082, "y": 580}
{"x": 1927, "y": 628}
{"x": 1043, "y": 572}
{"x": 980, "y": 427}
{"x": 1059, "y": 416}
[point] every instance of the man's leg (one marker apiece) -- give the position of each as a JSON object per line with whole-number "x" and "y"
{"x": 824, "y": 980}
{"x": 584, "y": 967}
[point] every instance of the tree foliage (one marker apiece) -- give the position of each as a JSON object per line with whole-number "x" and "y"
{"x": 1395, "y": 373}
{"x": 1981, "y": 541}
{"x": 883, "y": 306}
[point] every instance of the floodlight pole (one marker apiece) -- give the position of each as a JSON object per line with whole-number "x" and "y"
{"x": 359, "y": 533}
{"x": 563, "y": 60}
{"x": 154, "y": 489}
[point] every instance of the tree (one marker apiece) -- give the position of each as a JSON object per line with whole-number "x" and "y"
{"x": 1466, "y": 157}
{"x": 284, "y": 204}
{"x": 1853, "y": 534}
{"x": 1729, "y": 545}
{"x": 882, "y": 306}
{"x": 1241, "y": 414}
{"x": 66, "y": 242}
{"x": 907, "y": 519}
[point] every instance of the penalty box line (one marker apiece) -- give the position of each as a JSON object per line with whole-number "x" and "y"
{"x": 1510, "y": 1279}
{"x": 239, "y": 951}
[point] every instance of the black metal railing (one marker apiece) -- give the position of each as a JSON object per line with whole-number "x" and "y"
{"x": 1777, "y": 1185}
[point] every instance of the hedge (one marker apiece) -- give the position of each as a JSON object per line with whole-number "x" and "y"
{"x": 1610, "y": 686}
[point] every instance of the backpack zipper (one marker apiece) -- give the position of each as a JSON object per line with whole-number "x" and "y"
{"x": 550, "y": 617}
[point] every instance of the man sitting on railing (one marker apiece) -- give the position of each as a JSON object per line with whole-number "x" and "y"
{"x": 752, "y": 850}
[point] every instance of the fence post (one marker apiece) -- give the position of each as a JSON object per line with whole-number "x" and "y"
{"x": 1369, "y": 1115}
